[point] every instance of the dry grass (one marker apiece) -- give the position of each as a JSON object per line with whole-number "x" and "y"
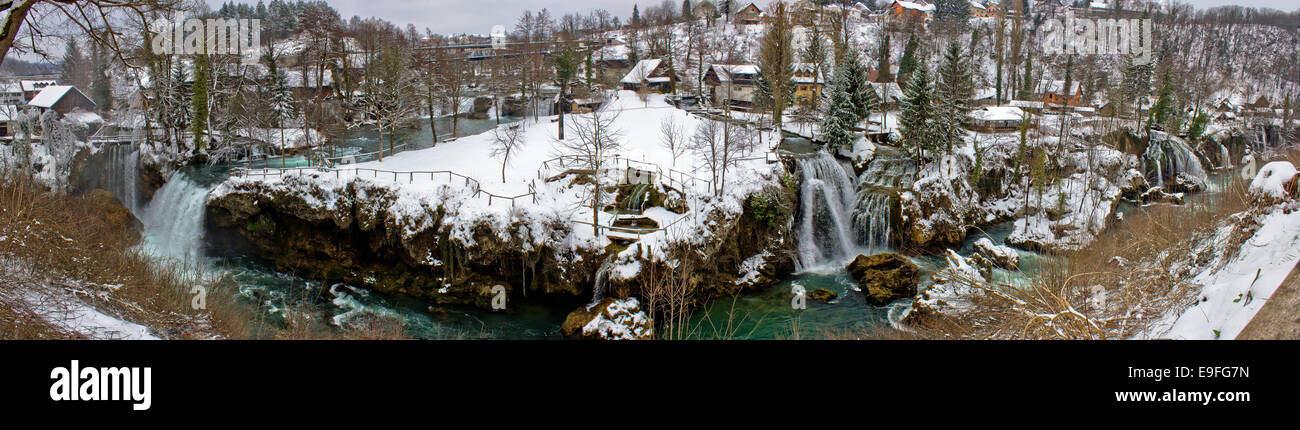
{"x": 1133, "y": 274}
{"x": 80, "y": 249}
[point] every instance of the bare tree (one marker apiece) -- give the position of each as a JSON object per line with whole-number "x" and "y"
{"x": 721, "y": 145}
{"x": 592, "y": 140}
{"x": 100, "y": 20}
{"x": 505, "y": 140}
{"x": 673, "y": 136}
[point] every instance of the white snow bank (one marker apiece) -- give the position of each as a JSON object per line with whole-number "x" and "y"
{"x": 1232, "y": 294}
{"x": 1272, "y": 179}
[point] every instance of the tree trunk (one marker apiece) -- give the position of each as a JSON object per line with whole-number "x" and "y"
{"x": 561, "y": 111}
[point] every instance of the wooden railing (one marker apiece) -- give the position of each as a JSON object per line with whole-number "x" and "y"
{"x": 398, "y": 176}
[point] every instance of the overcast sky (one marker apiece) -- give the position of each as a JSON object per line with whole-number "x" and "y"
{"x": 478, "y": 16}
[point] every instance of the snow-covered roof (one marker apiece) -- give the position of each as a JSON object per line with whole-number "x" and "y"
{"x": 36, "y": 85}
{"x": 801, "y": 69}
{"x": 50, "y": 95}
{"x": 1056, "y": 87}
{"x": 977, "y": 5}
{"x": 725, "y": 71}
{"x": 293, "y": 78}
{"x": 1027, "y": 104}
{"x": 998, "y": 113}
{"x": 915, "y": 6}
{"x": 642, "y": 70}
{"x": 887, "y": 91}
{"x": 1100, "y": 5}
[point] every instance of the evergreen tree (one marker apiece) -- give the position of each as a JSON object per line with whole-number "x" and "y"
{"x": 909, "y": 62}
{"x": 1027, "y": 81}
{"x": 176, "y": 104}
{"x": 636, "y": 16}
{"x": 76, "y": 67}
{"x": 954, "y": 94}
{"x": 840, "y": 115}
{"x": 102, "y": 89}
{"x": 686, "y": 10}
{"x": 952, "y": 13}
{"x": 1163, "y": 111}
{"x": 916, "y": 121}
{"x": 198, "y": 126}
{"x": 859, "y": 89}
{"x": 884, "y": 71}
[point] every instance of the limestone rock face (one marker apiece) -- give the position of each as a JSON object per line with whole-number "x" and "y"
{"x": 885, "y": 277}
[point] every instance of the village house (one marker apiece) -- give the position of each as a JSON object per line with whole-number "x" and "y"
{"x": 749, "y": 15}
{"x": 903, "y": 12}
{"x": 30, "y": 88}
{"x": 1054, "y": 93}
{"x": 983, "y": 9}
{"x": 11, "y": 94}
{"x": 731, "y": 84}
{"x": 8, "y": 116}
{"x": 808, "y": 83}
{"x": 649, "y": 75}
{"x": 62, "y": 99}
{"x": 996, "y": 118}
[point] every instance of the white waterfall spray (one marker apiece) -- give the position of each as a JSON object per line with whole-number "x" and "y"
{"x": 173, "y": 221}
{"x": 825, "y": 224}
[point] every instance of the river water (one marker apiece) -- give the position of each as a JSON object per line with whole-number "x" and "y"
{"x": 174, "y": 231}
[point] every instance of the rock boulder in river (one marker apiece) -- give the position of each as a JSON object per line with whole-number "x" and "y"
{"x": 611, "y": 319}
{"x": 885, "y": 277}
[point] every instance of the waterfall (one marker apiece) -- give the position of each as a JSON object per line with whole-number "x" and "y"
{"x": 1174, "y": 162}
{"x": 824, "y": 225}
{"x": 1225, "y": 160}
{"x": 113, "y": 169}
{"x": 173, "y": 221}
{"x": 889, "y": 173}
{"x": 598, "y": 290}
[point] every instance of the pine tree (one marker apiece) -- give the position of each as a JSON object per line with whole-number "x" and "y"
{"x": 953, "y": 94}
{"x": 916, "y": 121}
{"x": 636, "y": 16}
{"x": 76, "y": 67}
{"x": 686, "y": 10}
{"x": 1027, "y": 86}
{"x": 840, "y": 115}
{"x": 909, "y": 62}
{"x": 859, "y": 89}
{"x": 176, "y": 104}
{"x": 103, "y": 89}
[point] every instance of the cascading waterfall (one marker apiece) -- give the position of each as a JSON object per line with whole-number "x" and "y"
{"x": 113, "y": 169}
{"x": 888, "y": 174}
{"x": 1174, "y": 161}
{"x": 827, "y": 200}
{"x": 598, "y": 290}
{"x": 173, "y": 221}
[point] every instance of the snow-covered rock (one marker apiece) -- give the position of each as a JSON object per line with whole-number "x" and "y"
{"x": 1275, "y": 181}
{"x": 953, "y": 289}
{"x": 990, "y": 255}
{"x": 611, "y": 319}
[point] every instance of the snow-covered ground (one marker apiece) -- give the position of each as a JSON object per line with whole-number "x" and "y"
{"x": 1234, "y": 290}
{"x": 638, "y": 126}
